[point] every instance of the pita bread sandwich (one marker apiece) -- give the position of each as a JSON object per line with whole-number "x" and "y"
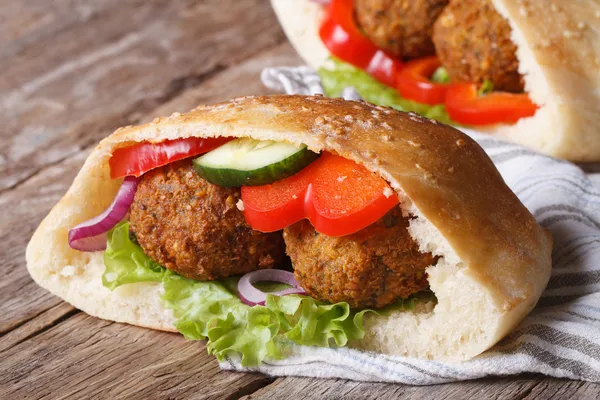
{"x": 526, "y": 71}
{"x": 262, "y": 221}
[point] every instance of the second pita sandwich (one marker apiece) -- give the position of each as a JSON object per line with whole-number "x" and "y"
{"x": 525, "y": 71}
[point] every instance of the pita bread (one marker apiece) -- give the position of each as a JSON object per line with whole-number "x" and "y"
{"x": 494, "y": 258}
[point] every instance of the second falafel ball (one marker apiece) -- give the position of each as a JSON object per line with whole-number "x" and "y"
{"x": 368, "y": 269}
{"x": 400, "y": 27}
{"x": 472, "y": 40}
{"x": 194, "y": 228}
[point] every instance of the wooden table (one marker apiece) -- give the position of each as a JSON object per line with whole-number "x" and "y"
{"x": 71, "y": 72}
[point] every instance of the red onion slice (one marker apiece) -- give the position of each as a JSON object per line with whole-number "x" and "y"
{"x": 252, "y": 296}
{"x": 91, "y": 234}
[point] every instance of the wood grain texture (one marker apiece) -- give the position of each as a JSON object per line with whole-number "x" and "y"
{"x": 341, "y": 389}
{"x": 21, "y": 210}
{"x": 555, "y": 389}
{"x": 85, "y": 357}
{"x": 45, "y": 320}
{"x": 71, "y": 71}
{"x": 523, "y": 387}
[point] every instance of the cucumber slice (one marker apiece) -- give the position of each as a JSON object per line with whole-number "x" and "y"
{"x": 249, "y": 162}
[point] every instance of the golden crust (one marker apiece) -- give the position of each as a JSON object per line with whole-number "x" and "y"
{"x": 402, "y": 28}
{"x": 380, "y": 263}
{"x": 172, "y": 202}
{"x": 473, "y": 44}
{"x": 446, "y": 176}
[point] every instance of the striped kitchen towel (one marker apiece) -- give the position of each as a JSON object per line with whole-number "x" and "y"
{"x": 561, "y": 336}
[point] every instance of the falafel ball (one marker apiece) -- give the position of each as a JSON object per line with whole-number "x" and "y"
{"x": 473, "y": 43}
{"x": 400, "y": 27}
{"x": 194, "y": 228}
{"x": 368, "y": 269}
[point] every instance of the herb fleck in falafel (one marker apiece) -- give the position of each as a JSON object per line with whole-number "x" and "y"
{"x": 368, "y": 269}
{"x": 473, "y": 43}
{"x": 400, "y": 27}
{"x": 195, "y": 229}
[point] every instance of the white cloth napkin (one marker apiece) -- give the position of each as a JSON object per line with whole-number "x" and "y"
{"x": 561, "y": 336}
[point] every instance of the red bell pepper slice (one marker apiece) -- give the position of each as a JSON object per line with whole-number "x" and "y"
{"x": 384, "y": 68}
{"x": 466, "y": 106}
{"x": 142, "y": 157}
{"x": 414, "y": 83}
{"x": 341, "y": 36}
{"x": 338, "y": 196}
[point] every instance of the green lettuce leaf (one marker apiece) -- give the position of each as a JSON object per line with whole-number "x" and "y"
{"x": 126, "y": 262}
{"x": 337, "y": 75}
{"x": 309, "y": 322}
{"x": 213, "y": 311}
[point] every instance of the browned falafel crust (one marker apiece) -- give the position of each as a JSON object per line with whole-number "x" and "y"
{"x": 472, "y": 40}
{"x": 400, "y": 27}
{"x": 368, "y": 269}
{"x": 194, "y": 228}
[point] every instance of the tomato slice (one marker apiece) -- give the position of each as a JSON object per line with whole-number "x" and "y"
{"x": 466, "y": 106}
{"x": 338, "y": 196}
{"x": 142, "y": 157}
{"x": 414, "y": 83}
{"x": 341, "y": 36}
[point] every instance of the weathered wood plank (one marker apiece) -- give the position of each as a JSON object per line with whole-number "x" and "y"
{"x": 85, "y": 357}
{"x": 554, "y": 389}
{"x": 241, "y": 80}
{"x": 39, "y": 323}
{"x": 308, "y": 388}
{"x": 24, "y": 23}
{"x": 66, "y": 90}
{"x": 21, "y": 298}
